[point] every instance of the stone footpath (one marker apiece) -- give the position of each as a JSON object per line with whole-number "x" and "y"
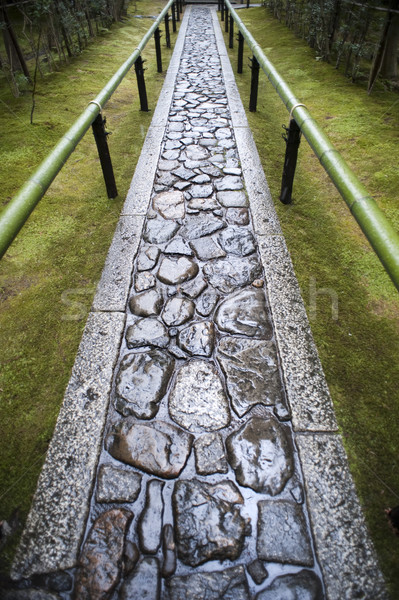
{"x": 196, "y": 454}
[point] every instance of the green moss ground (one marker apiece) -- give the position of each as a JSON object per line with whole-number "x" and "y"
{"x": 48, "y": 276}
{"x": 359, "y": 349}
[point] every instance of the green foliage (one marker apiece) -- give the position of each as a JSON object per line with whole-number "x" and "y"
{"x": 340, "y": 32}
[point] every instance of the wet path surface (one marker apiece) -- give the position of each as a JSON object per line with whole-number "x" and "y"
{"x": 209, "y": 480}
{"x": 198, "y": 408}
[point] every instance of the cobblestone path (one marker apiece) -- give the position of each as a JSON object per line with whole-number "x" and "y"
{"x": 198, "y": 410}
{"x": 199, "y": 492}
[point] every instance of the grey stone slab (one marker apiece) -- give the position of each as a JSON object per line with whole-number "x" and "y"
{"x": 305, "y": 383}
{"x": 113, "y": 288}
{"x": 197, "y": 401}
{"x": 282, "y": 533}
{"x": 228, "y": 584}
{"x": 346, "y": 555}
{"x": 139, "y": 194}
{"x": 57, "y": 520}
{"x": 117, "y": 485}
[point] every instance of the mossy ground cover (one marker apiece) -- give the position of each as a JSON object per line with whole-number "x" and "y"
{"x": 49, "y": 275}
{"x": 352, "y": 304}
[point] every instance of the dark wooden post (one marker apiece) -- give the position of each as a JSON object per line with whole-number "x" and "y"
{"x": 167, "y": 32}
{"x": 231, "y": 34}
{"x": 157, "y": 38}
{"x": 222, "y": 15}
{"x": 254, "y": 84}
{"x": 240, "y": 52}
{"x": 100, "y": 135}
{"x": 178, "y": 11}
{"x": 293, "y": 140}
{"x": 226, "y": 20}
{"x": 138, "y": 67}
{"x": 174, "y": 17}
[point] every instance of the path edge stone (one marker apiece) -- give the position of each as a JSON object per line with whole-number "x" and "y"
{"x": 56, "y": 522}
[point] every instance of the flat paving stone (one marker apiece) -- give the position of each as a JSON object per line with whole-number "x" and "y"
{"x": 232, "y": 272}
{"x": 237, "y": 240}
{"x": 207, "y": 302}
{"x": 252, "y": 374}
{"x": 158, "y": 231}
{"x": 229, "y": 584}
{"x": 117, "y": 485}
{"x": 151, "y": 519}
{"x": 170, "y": 205}
{"x": 147, "y": 332}
{"x": 199, "y": 226}
{"x": 210, "y": 455}
{"x": 232, "y": 199}
{"x": 206, "y": 248}
{"x": 178, "y": 311}
{"x": 157, "y": 448}
{"x": 282, "y": 533}
{"x": 237, "y": 216}
{"x": 245, "y": 313}
{"x": 174, "y": 271}
{"x": 261, "y": 455}
{"x": 147, "y": 259}
{"x": 197, "y": 401}
{"x": 147, "y": 304}
{"x": 178, "y": 246}
{"x": 100, "y": 561}
{"x": 209, "y": 524}
{"x": 144, "y": 583}
{"x": 142, "y": 382}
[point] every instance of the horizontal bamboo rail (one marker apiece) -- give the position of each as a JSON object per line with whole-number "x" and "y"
{"x": 21, "y": 206}
{"x": 376, "y": 227}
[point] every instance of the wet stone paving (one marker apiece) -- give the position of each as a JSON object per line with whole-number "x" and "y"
{"x": 199, "y": 490}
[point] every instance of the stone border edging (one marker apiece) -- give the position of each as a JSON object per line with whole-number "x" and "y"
{"x": 344, "y": 548}
{"x": 57, "y": 519}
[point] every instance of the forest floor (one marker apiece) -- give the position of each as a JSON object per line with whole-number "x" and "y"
{"x": 49, "y": 275}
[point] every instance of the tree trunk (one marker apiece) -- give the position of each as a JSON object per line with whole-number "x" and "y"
{"x": 13, "y": 47}
{"x": 389, "y": 36}
{"x": 389, "y": 67}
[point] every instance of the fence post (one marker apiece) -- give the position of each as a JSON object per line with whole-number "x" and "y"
{"x": 167, "y": 32}
{"x": 222, "y": 11}
{"x": 292, "y": 140}
{"x": 178, "y": 10}
{"x": 157, "y": 38}
{"x": 231, "y": 34}
{"x": 240, "y": 52}
{"x": 138, "y": 67}
{"x": 254, "y": 84}
{"x": 100, "y": 136}
{"x": 226, "y": 20}
{"x": 174, "y": 17}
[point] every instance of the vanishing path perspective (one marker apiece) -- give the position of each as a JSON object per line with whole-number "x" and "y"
{"x": 196, "y": 455}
